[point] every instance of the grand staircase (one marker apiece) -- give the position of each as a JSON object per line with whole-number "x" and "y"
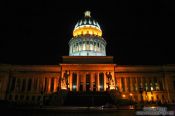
{"x": 87, "y": 98}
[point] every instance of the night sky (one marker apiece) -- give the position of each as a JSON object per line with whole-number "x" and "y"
{"x": 136, "y": 33}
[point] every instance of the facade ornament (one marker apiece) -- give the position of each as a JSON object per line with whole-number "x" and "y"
{"x": 111, "y": 82}
{"x": 65, "y": 80}
{"x": 109, "y": 77}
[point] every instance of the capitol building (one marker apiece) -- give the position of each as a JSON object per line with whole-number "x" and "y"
{"x": 87, "y": 69}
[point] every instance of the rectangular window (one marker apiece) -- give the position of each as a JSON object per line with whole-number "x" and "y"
{"x": 18, "y": 84}
{"x": 101, "y": 75}
{"x": 13, "y": 84}
{"x": 0, "y": 85}
{"x": 87, "y": 82}
{"x": 45, "y": 87}
{"x": 35, "y": 84}
{"x": 23, "y": 85}
{"x": 74, "y": 83}
{"x": 52, "y": 85}
{"x": 134, "y": 84}
{"x": 123, "y": 84}
{"x": 128, "y": 83}
{"x": 29, "y": 85}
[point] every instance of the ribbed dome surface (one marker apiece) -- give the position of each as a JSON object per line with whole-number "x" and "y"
{"x": 87, "y": 25}
{"x": 87, "y": 21}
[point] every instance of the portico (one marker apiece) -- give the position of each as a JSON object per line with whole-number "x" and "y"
{"x": 87, "y": 77}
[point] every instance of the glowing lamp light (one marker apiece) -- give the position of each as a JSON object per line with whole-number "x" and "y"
{"x": 74, "y": 86}
{"x": 151, "y": 95}
{"x": 131, "y": 94}
{"x": 123, "y": 95}
{"x": 153, "y": 107}
{"x": 63, "y": 88}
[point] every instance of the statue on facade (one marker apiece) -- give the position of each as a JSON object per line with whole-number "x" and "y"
{"x": 109, "y": 77}
{"x": 65, "y": 79}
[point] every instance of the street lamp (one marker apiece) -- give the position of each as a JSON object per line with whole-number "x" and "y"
{"x": 130, "y": 96}
{"x": 123, "y": 95}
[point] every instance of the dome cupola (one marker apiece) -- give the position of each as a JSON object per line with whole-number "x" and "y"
{"x": 87, "y": 38}
{"x": 87, "y": 25}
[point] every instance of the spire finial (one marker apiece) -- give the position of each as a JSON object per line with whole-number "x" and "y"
{"x": 87, "y": 14}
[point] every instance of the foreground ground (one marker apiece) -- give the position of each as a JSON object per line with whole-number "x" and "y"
{"x": 69, "y": 111}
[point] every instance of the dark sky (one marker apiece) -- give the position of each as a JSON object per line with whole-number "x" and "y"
{"x": 137, "y": 32}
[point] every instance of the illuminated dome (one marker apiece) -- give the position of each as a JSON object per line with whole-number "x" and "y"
{"x": 87, "y": 38}
{"x": 87, "y": 25}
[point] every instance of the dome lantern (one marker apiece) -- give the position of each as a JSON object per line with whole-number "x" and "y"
{"x": 87, "y": 14}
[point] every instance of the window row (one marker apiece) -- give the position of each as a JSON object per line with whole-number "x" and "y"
{"x": 138, "y": 84}
{"x": 87, "y": 46}
{"x": 31, "y": 84}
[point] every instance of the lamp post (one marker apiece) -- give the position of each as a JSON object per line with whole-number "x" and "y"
{"x": 130, "y": 98}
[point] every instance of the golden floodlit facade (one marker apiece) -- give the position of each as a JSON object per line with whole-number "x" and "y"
{"x": 87, "y": 69}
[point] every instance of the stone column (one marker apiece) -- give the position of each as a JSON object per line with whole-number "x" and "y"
{"x": 105, "y": 81}
{"x": 49, "y": 84}
{"x": 97, "y": 81}
{"x": 70, "y": 81}
{"x": 113, "y": 78}
{"x": 78, "y": 81}
{"x": 84, "y": 81}
{"x": 126, "y": 84}
{"x": 137, "y": 87}
{"x": 131, "y": 84}
{"x": 54, "y": 87}
{"x": 26, "y": 87}
{"x": 120, "y": 84}
{"x": 163, "y": 83}
{"x": 10, "y": 84}
{"x": 91, "y": 81}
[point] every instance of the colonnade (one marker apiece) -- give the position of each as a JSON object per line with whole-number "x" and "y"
{"x": 87, "y": 81}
